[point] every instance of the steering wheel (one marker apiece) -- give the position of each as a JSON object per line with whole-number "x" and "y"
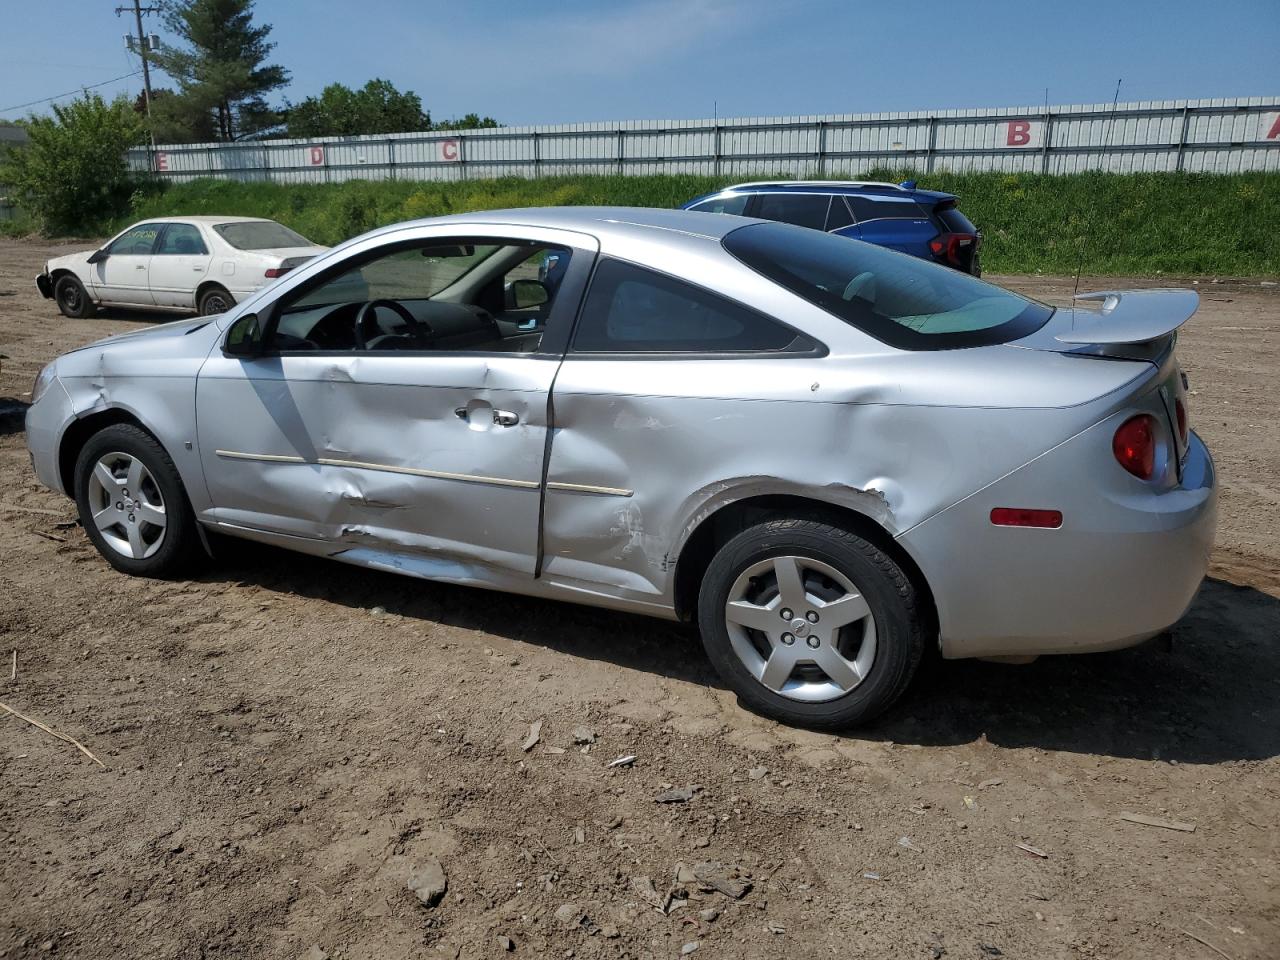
{"x": 419, "y": 329}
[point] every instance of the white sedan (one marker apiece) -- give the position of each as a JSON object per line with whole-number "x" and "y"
{"x": 182, "y": 264}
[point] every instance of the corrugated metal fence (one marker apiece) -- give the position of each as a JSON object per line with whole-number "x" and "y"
{"x": 1219, "y": 136}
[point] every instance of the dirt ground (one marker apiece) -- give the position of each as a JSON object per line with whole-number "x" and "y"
{"x": 286, "y": 739}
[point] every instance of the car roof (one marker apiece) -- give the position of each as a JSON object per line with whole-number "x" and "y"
{"x": 619, "y": 222}
{"x": 205, "y": 218}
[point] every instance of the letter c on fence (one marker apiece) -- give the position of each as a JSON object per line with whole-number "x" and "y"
{"x": 317, "y": 156}
{"x": 449, "y": 150}
{"x": 1019, "y": 134}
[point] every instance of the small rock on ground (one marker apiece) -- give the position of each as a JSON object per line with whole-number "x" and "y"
{"x": 428, "y": 882}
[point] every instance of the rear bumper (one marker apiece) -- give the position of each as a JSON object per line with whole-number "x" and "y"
{"x": 44, "y": 283}
{"x": 1125, "y": 565}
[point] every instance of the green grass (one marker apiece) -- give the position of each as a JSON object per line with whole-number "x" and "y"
{"x": 1144, "y": 223}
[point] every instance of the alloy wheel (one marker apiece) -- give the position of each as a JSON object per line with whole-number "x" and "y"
{"x": 801, "y": 628}
{"x": 126, "y": 505}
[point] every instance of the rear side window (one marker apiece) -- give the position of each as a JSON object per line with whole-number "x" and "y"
{"x": 802, "y": 209}
{"x": 886, "y": 208}
{"x": 260, "y": 235}
{"x": 903, "y": 301}
{"x": 633, "y": 310}
{"x": 180, "y": 239}
{"x": 955, "y": 221}
{"x": 730, "y": 203}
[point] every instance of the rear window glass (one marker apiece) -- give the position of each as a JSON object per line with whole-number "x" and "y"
{"x": 886, "y": 208}
{"x": 730, "y": 203}
{"x": 900, "y": 300}
{"x": 955, "y": 221}
{"x": 802, "y": 209}
{"x": 260, "y": 235}
{"x": 633, "y": 310}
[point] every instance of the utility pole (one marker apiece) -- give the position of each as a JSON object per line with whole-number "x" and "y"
{"x": 143, "y": 46}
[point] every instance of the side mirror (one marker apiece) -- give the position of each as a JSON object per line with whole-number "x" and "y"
{"x": 526, "y": 293}
{"x": 244, "y": 339}
{"x": 98, "y": 256}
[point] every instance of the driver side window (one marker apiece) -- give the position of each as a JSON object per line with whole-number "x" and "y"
{"x": 136, "y": 241}
{"x": 469, "y": 295}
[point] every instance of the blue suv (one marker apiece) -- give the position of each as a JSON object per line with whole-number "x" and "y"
{"x": 924, "y": 223}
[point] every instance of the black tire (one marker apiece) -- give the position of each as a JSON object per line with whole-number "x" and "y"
{"x": 214, "y": 299}
{"x": 72, "y": 298}
{"x": 179, "y": 546}
{"x": 888, "y": 592}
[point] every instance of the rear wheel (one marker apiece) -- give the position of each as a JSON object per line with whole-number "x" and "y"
{"x": 809, "y": 623}
{"x": 214, "y": 299}
{"x": 73, "y": 300}
{"x": 132, "y": 503}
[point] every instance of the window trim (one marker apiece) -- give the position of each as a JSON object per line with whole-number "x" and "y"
{"x": 551, "y": 347}
{"x": 815, "y": 347}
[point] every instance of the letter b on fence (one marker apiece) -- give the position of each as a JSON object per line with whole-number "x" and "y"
{"x": 1018, "y": 133}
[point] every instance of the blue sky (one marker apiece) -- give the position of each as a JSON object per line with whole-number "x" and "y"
{"x": 570, "y": 60}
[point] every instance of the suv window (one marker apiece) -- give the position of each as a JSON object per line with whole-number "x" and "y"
{"x": 136, "y": 241}
{"x": 955, "y": 221}
{"x": 180, "y": 239}
{"x": 802, "y": 209}
{"x": 630, "y": 309}
{"x": 838, "y": 216}
{"x": 729, "y": 203}
{"x": 897, "y": 299}
{"x": 886, "y": 208}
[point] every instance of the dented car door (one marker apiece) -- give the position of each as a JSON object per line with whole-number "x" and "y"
{"x": 426, "y": 461}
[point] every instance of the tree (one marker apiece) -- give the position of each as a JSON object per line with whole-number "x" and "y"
{"x": 72, "y": 174}
{"x": 339, "y": 111}
{"x": 472, "y": 121}
{"x": 223, "y": 76}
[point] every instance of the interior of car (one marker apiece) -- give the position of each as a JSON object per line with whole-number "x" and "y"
{"x": 482, "y": 297}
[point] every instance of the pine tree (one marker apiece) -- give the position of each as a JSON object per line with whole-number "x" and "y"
{"x": 222, "y": 74}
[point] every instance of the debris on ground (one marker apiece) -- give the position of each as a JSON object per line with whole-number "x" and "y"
{"x": 506, "y": 943}
{"x": 626, "y": 760}
{"x": 712, "y": 875}
{"x": 678, "y": 794}
{"x": 773, "y": 926}
{"x": 569, "y": 915}
{"x": 872, "y": 875}
{"x": 583, "y": 735}
{"x": 758, "y": 773}
{"x": 993, "y": 782}
{"x": 428, "y": 882}
{"x": 315, "y": 953}
{"x": 1034, "y": 851}
{"x": 709, "y": 915}
{"x": 535, "y": 734}
{"x": 1149, "y": 821}
{"x": 644, "y": 889}
{"x": 906, "y": 842}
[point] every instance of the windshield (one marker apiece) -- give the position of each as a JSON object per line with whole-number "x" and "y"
{"x": 900, "y": 300}
{"x": 260, "y": 235}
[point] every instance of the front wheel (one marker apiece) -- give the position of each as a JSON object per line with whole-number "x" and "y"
{"x": 215, "y": 299}
{"x": 72, "y": 298}
{"x": 810, "y": 624}
{"x": 132, "y": 503}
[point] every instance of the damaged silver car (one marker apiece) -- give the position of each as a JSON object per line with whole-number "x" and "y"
{"x": 825, "y": 453}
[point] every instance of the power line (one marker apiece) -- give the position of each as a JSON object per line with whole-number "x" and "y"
{"x": 70, "y": 93}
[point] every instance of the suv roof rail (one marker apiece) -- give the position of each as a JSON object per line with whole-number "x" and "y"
{"x": 816, "y": 183}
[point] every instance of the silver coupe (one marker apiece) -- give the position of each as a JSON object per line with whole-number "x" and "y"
{"x": 825, "y": 453}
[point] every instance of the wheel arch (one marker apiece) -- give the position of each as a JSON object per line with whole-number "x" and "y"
{"x": 718, "y": 527}
{"x": 207, "y": 285}
{"x": 80, "y": 430}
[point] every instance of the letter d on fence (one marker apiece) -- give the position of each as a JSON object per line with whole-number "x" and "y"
{"x": 317, "y": 156}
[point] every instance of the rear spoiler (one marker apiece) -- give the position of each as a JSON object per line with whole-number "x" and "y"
{"x": 1132, "y": 316}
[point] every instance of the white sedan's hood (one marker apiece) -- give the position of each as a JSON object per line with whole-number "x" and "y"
{"x": 71, "y": 261}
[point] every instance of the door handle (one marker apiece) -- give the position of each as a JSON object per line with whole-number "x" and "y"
{"x": 139, "y": 266}
{"x": 505, "y": 418}
{"x": 460, "y": 413}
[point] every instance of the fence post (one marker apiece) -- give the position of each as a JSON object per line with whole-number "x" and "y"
{"x": 462, "y": 156}
{"x": 1044, "y": 146}
{"x": 391, "y": 159}
{"x": 716, "y": 148}
{"x": 537, "y": 155}
{"x": 822, "y": 148}
{"x": 933, "y": 143}
{"x": 1182, "y": 137}
{"x": 622, "y": 139}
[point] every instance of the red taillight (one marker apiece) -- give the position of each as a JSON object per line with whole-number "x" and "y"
{"x": 1023, "y": 517}
{"x": 949, "y": 246}
{"x": 1180, "y": 409}
{"x": 277, "y": 271}
{"x": 1135, "y": 445}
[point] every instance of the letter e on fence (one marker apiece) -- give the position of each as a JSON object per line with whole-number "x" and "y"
{"x": 162, "y": 162}
{"x": 449, "y": 151}
{"x": 1019, "y": 133}
{"x": 317, "y": 156}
